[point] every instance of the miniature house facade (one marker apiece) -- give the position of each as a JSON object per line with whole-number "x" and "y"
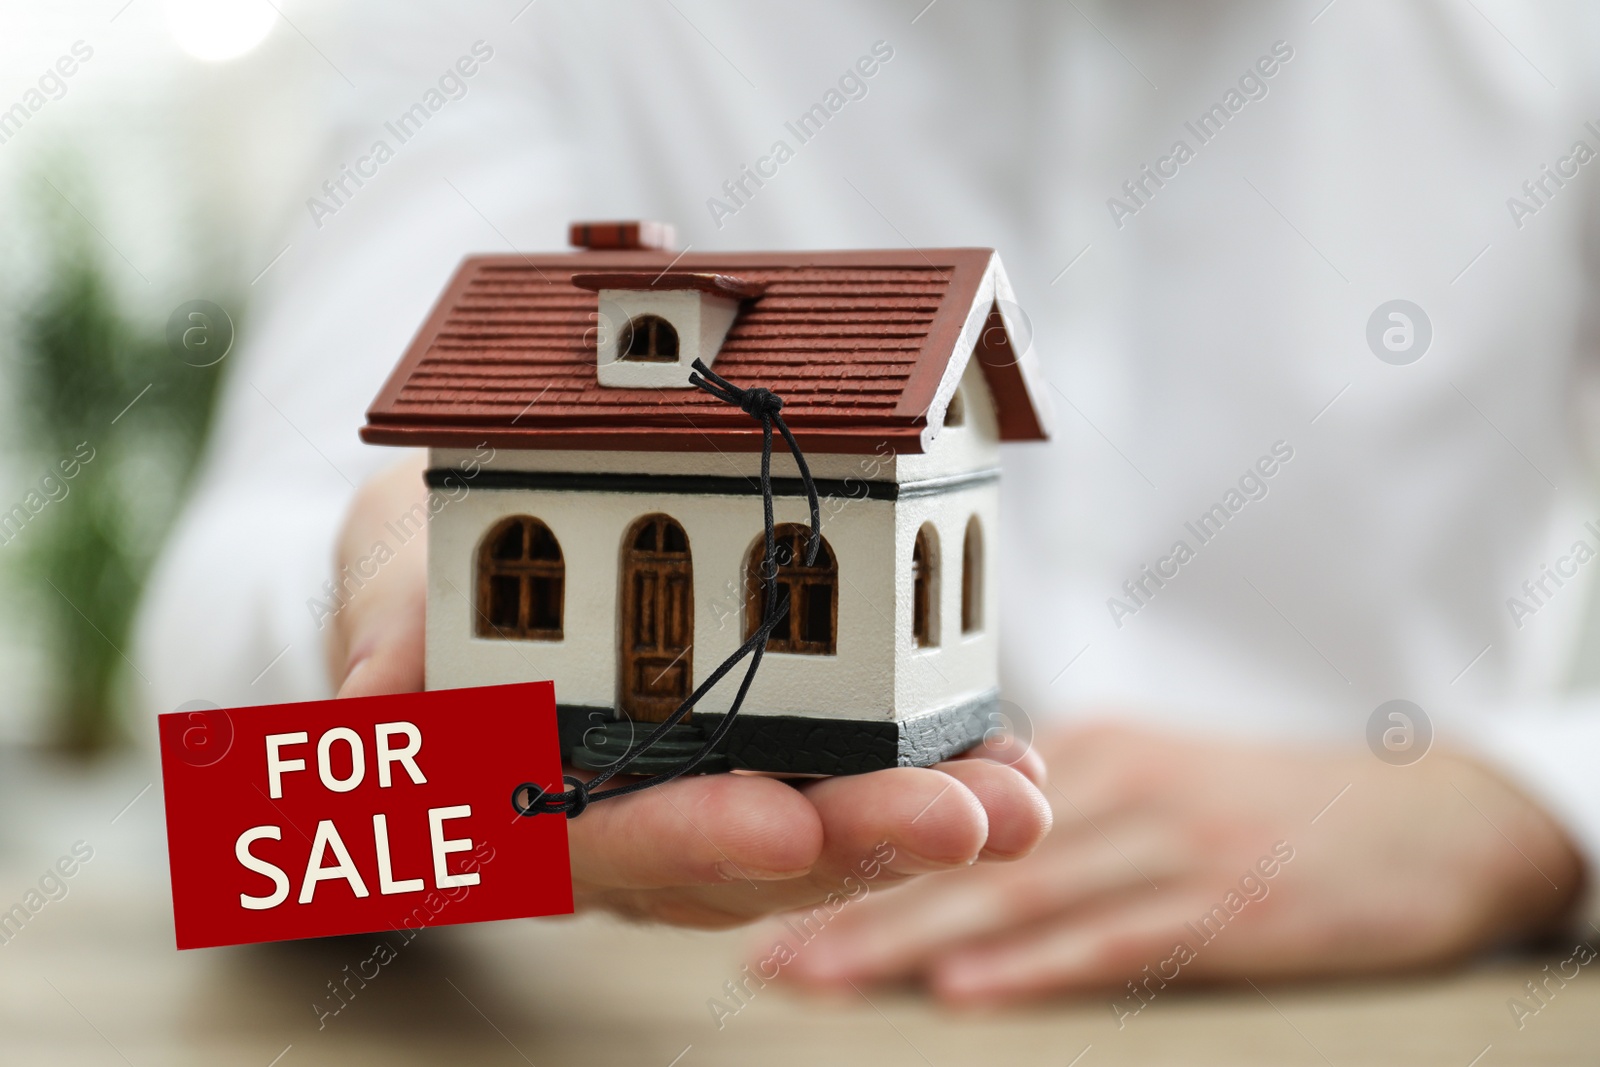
{"x": 598, "y": 521}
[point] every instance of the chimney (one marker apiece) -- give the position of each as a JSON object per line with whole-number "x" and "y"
{"x": 626, "y": 235}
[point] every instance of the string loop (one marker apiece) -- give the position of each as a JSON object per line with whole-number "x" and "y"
{"x": 766, "y": 407}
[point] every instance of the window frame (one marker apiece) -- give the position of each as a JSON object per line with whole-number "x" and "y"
{"x": 799, "y": 578}
{"x": 654, "y": 323}
{"x": 527, "y": 571}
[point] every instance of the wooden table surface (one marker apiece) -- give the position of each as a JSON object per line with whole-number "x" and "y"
{"x": 94, "y": 979}
{"x": 104, "y": 985}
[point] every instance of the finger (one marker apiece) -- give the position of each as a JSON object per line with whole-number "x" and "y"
{"x": 374, "y": 645}
{"x": 1088, "y": 805}
{"x": 1019, "y": 816}
{"x": 1105, "y": 949}
{"x": 896, "y": 931}
{"x": 704, "y": 830}
{"x": 930, "y": 819}
{"x": 1033, "y": 766}
{"x": 386, "y": 650}
{"x": 895, "y": 935}
{"x": 1030, "y": 764}
{"x": 877, "y": 829}
{"x": 884, "y": 827}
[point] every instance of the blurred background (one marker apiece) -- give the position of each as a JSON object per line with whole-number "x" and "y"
{"x": 127, "y": 195}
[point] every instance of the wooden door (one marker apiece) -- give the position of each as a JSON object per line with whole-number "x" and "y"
{"x": 657, "y": 624}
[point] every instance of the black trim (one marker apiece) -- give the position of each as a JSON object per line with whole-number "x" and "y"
{"x": 701, "y": 484}
{"x": 575, "y": 720}
{"x": 798, "y": 744}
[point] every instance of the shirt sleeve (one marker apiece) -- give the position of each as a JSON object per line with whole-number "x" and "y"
{"x": 1552, "y": 753}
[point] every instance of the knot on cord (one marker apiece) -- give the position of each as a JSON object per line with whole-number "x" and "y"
{"x": 757, "y": 402}
{"x": 760, "y": 403}
{"x": 542, "y": 802}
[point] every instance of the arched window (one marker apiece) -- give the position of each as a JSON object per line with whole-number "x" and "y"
{"x": 648, "y": 339}
{"x": 972, "y": 578}
{"x": 811, "y": 624}
{"x": 925, "y": 588}
{"x": 521, "y": 581}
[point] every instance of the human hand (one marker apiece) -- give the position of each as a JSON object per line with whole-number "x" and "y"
{"x": 706, "y": 850}
{"x": 1335, "y": 862}
{"x": 375, "y": 642}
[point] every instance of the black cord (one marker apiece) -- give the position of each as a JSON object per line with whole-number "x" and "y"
{"x": 765, "y": 406}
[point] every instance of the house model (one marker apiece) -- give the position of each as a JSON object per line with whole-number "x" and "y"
{"x": 611, "y": 537}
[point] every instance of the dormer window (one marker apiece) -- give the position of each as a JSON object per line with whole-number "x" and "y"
{"x": 648, "y": 338}
{"x": 655, "y": 324}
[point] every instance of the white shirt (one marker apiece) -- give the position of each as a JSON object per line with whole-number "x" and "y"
{"x": 1186, "y": 332}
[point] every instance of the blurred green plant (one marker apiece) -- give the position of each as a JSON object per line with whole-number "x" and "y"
{"x": 102, "y": 395}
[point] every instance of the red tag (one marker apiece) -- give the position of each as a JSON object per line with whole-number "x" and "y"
{"x": 353, "y": 816}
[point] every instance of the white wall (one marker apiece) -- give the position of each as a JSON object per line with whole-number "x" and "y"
{"x": 959, "y": 665}
{"x": 855, "y": 683}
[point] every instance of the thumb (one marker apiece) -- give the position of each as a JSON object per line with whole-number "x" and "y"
{"x": 386, "y": 648}
{"x": 376, "y": 644}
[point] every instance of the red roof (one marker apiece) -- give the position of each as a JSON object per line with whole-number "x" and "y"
{"x": 855, "y": 343}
